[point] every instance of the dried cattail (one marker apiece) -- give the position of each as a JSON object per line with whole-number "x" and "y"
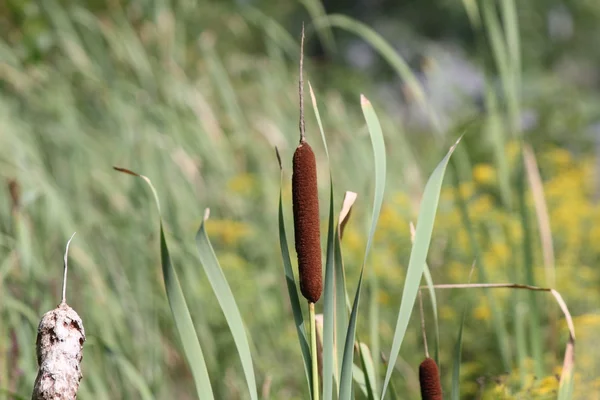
{"x": 429, "y": 378}
{"x": 306, "y": 222}
{"x": 59, "y": 348}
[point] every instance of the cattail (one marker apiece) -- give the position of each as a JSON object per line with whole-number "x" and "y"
{"x": 305, "y": 199}
{"x": 59, "y": 349}
{"x": 429, "y": 378}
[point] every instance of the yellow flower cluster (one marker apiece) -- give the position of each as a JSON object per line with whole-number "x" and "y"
{"x": 499, "y": 251}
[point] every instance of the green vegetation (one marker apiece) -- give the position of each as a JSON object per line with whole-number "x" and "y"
{"x": 198, "y": 107}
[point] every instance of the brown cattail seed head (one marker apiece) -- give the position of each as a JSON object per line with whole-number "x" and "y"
{"x": 429, "y": 377}
{"x": 59, "y": 348}
{"x": 305, "y": 199}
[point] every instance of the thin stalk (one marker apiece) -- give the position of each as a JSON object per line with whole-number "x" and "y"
{"x": 313, "y": 351}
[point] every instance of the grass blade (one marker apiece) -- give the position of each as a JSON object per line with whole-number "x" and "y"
{"x": 293, "y": 291}
{"x": 342, "y": 304}
{"x": 222, "y": 291}
{"x": 328, "y": 293}
{"x": 368, "y": 368}
{"x": 534, "y": 319}
{"x": 379, "y": 157}
{"x": 417, "y": 260}
{"x": 179, "y": 309}
{"x": 455, "y": 393}
{"x": 431, "y": 290}
{"x": 328, "y": 309}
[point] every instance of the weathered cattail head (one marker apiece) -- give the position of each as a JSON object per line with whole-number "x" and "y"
{"x": 429, "y": 378}
{"x": 305, "y": 199}
{"x": 59, "y": 349}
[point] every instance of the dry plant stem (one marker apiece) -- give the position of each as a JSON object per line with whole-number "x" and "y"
{"x": 314, "y": 351}
{"x": 301, "y": 88}
{"x": 423, "y": 324}
{"x": 569, "y": 358}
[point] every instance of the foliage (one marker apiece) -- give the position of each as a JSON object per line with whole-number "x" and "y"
{"x": 198, "y": 106}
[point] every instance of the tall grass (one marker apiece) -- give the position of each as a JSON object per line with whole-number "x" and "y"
{"x": 201, "y": 116}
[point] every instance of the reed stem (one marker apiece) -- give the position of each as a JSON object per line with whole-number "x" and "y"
{"x": 313, "y": 351}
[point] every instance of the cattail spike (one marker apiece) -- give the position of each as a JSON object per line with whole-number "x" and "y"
{"x": 429, "y": 378}
{"x": 305, "y": 199}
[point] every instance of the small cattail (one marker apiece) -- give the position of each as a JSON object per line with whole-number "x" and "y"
{"x": 429, "y": 378}
{"x": 305, "y": 199}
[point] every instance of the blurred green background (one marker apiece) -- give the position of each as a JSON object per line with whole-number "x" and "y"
{"x": 196, "y": 95}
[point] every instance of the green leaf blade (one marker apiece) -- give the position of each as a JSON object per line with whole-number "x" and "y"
{"x": 418, "y": 256}
{"x": 179, "y": 309}
{"x": 378, "y": 143}
{"x": 184, "y": 324}
{"x": 226, "y": 300}
{"x": 293, "y": 295}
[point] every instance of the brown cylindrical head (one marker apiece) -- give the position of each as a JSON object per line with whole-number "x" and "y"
{"x": 305, "y": 199}
{"x": 429, "y": 378}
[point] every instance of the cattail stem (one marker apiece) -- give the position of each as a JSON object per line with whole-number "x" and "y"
{"x": 314, "y": 351}
{"x": 301, "y": 89}
{"x": 65, "y": 270}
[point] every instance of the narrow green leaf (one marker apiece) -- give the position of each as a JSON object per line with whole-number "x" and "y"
{"x": 222, "y": 291}
{"x": 183, "y": 322}
{"x": 534, "y": 317}
{"x": 455, "y": 394}
{"x": 290, "y": 280}
{"x": 418, "y": 256}
{"x": 431, "y": 290}
{"x": 328, "y": 309}
{"x": 379, "y": 157}
{"x": 348, "y": 360}
{"x": 359, "y": 377}
{"x": 328, "y": 290}
{"x": 342, "y": 303}
{"x": 373, "y": 286}
{"x": 179, "y": 309}
{"x": 368, "y": 368}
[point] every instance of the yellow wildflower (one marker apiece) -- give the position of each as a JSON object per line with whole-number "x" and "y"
{"x": 482, "y": 312}
{"x": 242, "y": 184}
{"x": 484, "y": 174}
